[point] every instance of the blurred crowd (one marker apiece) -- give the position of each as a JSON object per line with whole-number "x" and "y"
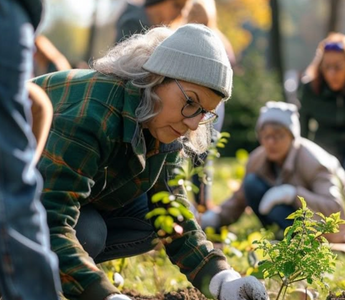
{"x": 87, "y": 129}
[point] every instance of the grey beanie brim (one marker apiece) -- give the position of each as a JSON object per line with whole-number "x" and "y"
{"x": 282, "y": 113}
{"x": 193, "y": 54}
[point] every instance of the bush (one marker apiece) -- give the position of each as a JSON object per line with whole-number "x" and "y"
{"x": 253, "y": 86}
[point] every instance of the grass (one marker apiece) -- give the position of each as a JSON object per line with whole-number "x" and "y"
{"x": 153, "y": 273}
{"x": 150, "y": 273}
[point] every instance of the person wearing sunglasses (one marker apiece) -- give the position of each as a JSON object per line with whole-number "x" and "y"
{"x": 119, "y": 131}
{"x": 322, "y": 95}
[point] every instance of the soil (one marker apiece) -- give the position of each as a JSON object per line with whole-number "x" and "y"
{"x": 332, "y": 296}
{"x": 194, "y": 294}
{"x": 185, "y": 294}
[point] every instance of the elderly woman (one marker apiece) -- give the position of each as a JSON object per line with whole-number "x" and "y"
{"x": 117, "y": 134}
{"x": 322, "y": 96}
{"x": 283, "y": 167}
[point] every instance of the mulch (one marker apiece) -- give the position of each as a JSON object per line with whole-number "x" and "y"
{"x": 185, "y": 294}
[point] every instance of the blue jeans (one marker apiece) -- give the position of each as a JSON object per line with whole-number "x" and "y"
{"x": 28, "y": 268}
{"x": 122, "y": 233}
{"x": 254, "y": 190}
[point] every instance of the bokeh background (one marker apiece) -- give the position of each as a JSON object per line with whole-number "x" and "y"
{"x": 274, "y": 41}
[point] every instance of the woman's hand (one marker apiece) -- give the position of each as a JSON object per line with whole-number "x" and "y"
{"x": 229, "y": 285}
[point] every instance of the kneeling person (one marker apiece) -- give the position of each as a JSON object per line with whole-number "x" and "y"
{"x": 283, "y": 167}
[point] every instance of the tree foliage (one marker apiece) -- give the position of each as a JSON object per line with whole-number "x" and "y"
{"x": 234, "y": 14}
{"x": 253, "y": 86}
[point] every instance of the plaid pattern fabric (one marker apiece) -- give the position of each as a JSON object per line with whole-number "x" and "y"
{"x": 96, "y": 152}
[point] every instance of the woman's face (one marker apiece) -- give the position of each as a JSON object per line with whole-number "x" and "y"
{"x": 170, "y": 10}
{"x": 277, "y": 141}
{"x": 333, "y": 69}
{"x": 169, "y": 124}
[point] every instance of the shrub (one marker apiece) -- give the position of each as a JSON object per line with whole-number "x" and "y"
{"x": 253, "y": 86}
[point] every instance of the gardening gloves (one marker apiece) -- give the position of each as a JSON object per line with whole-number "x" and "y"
{"x": 229, "y": 285}
{"x": 282, "y": 194}
{"x": 117, "y": 297}
{"x": 210, "y": 219}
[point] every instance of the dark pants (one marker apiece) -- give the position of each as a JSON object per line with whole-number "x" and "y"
{"x": 254, "y": 190}
{"x": 122, "y": 233}
{"x": 28, "y": 268}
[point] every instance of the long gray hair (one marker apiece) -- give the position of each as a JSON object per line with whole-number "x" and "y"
{"x": 125, "y": 61}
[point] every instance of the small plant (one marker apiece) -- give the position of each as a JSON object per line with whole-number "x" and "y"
{"x": 168, "y": 216}
{"x": 219, "y": 141}
{"x": 304, "y": 253}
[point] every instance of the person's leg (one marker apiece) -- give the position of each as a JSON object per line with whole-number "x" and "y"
{"x": 254, "y": 190}
{"x": 124, "y": 232}
{"x": 28, "y": 269}
{"x": 279, "y": 213}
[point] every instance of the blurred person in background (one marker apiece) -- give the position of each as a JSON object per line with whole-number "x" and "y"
{"x": 322, "y": 96}
{"x": 138, "y": 18}
{"x": 119, "y": 131}
{"x": 47, "y": 58}
{"x": 205, "y": 12}
{"x": 283, "y": 167}
{"x": 28, "y": 268}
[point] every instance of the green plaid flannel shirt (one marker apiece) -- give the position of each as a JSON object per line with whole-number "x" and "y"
{"x": 96, "y": 152}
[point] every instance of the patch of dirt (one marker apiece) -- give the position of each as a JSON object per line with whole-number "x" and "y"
{"x": 333, "y": 296}
{"x": 185, "y": 294}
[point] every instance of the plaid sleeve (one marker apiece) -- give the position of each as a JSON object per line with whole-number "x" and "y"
{"x": 191, "y": 252}
{"x": 79, "y": 142}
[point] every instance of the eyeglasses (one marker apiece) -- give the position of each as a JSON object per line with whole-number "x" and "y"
{"x": 336, "y": 67}
{"x": 276, "y": 137}
{"x": 192, "y": 109}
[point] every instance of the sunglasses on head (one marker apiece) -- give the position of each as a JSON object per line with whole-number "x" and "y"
{"x": 334, "y": 47}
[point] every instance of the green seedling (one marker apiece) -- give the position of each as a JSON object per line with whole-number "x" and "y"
{"x": 171, "y": 211}
{"x": 304, "y": 254}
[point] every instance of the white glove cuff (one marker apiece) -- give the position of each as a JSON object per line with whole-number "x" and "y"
{"x": 117, "y": 297}
{"x": 218, "y": 279}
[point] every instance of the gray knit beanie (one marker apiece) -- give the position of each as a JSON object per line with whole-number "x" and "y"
{"x": 285, "y": 114}
{"x": 193, "y": 53}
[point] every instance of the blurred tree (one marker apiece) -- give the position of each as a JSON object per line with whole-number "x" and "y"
{"x": 254, "y": 85}
{"x": 93, "y": 31}
{"x": 247, "y": 23}
{"x": 333, "y": 16}
{"x": 81, "y": 29}
{"x": 234, "y": 14}
{"x": 275, "y": 59}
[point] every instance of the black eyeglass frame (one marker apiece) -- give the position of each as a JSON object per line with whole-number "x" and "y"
{"x": 201, "y": 110}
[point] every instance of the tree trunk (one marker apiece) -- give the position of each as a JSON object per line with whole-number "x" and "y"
{"x": 334, "y": 7}
{"x": 275, "y": 55}
{"x": 93, "y": 31}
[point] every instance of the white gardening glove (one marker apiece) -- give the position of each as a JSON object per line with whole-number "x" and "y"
{"x": 117, "y": 297}
{"x": 210, "y": 219}
{"x": 229, "y": 285}
{"x": 281, "y": 194}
